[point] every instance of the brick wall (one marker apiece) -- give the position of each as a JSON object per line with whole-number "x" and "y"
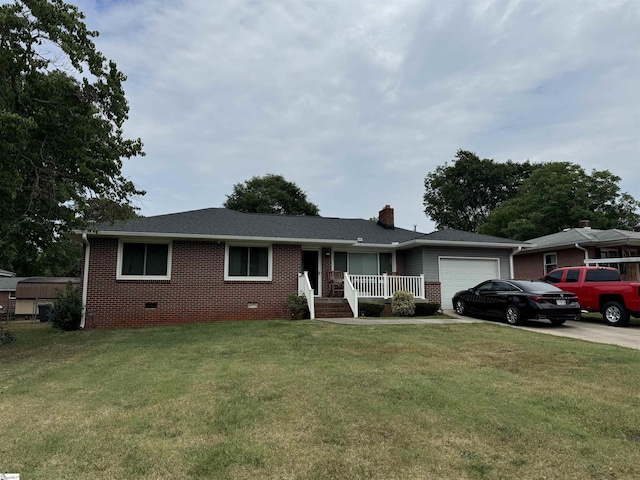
{"x": 531, "y": 265}
{"x": 433, "y": 292}
{"x": 8, "y": 305}
{"x": 197, "y": 291}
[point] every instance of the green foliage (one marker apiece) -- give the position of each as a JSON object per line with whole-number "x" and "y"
{"x": 62, "y": 108}
{"x": 6, "y": 336}
{"x": 424, "y": 309}
{"x": 370, "y": 309}
{"x": 463, "y": 194}
{"x": 297, "y": 305}
{"x": 67, "y": 309}
{"x": 557, "y": 196}
{"x": 270, "y": 194}
{"x": 403, "y": 304}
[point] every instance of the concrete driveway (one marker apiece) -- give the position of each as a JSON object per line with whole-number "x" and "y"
{"x": 586, "y": 329}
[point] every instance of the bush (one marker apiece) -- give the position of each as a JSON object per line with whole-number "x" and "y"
{"x": 370, "y": 309}
{"x": 403, "y": 304}
{"x": 67, "y": 309}
{"x": 6, "y": 336}
{"x": 424, "y": 309}
{"x": 297, "y": 305}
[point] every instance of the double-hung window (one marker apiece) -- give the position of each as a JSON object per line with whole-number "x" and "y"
{"x": 248, "y": 262}
{"x": 550, "y": 262}
{"x": 144, "y": 261}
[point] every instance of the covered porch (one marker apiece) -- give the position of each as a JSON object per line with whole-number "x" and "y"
{"x": 354, "y": 287}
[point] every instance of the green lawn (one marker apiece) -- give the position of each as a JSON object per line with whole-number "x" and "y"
{"x": 311, "y": 400}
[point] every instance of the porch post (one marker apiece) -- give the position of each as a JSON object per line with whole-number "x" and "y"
{"x": 385, "y": 279}
{"x": 422, "y": 292}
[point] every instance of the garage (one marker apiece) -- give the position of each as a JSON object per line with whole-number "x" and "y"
{"x": 459, "y": 273}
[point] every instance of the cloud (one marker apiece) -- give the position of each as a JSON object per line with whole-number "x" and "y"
{"x": 357, "y": 101}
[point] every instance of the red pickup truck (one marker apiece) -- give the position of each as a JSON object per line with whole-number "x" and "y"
{"x": 600, "y": 289}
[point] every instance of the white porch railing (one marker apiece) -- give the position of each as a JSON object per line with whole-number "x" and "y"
{"x": 384, "y": 286}
{"x": 351, "y": 294}
{"x": 305, "y": 290}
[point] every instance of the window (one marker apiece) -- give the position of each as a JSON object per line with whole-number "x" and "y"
{"x": 555, "y": 277}
{"x": 144, "y": 261}
{"x": 572, "y": 276}
{"x": 602, "y": 276}
{"x": 363, "y": 263}
{"x": 12, "y": 295}
{"x": 248, "y": 263}
{"x": 550, "y": 262}
{"x": 609, "y": 253}
{"x": 340, "y": 261}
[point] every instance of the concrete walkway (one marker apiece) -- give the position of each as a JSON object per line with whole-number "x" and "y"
{"x": 589, "y": 330}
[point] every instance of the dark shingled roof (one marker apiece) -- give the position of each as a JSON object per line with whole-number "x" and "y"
{"x": 221, "y": 222}
{"x": 452, "y": 235}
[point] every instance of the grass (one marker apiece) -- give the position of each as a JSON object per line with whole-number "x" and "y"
{"x": 311, "y": 400}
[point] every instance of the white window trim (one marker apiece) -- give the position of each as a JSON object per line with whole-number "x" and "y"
{"x": 248, "y": 278}
{"x": 544, "y": 262}
{"x": 119, "y": 275}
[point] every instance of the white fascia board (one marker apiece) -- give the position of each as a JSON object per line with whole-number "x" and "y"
{"x": 190, "y": 236}
{"x": 597, "y": 261}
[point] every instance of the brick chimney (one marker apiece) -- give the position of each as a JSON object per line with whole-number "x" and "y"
{"x": 385, "y": 217}
{"x": 584, "y": 224}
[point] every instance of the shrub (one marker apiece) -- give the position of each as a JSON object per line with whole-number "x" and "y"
{"x": 297, "y": 305}
{"x": 6, "y": 336}
{"x": 424, "y": 309}
{"x": 67, "y": 309}
{"x": 370, "y": 309}
{"x": 403, "y": 304}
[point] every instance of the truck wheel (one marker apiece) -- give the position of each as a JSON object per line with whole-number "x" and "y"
{"x": 512, "y": 315}
{"x": 615, "y": 314}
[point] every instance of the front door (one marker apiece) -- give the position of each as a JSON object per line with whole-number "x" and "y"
{"x": 310, "y": 262}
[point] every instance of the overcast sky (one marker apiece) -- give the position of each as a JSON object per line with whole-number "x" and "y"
{"x": 357, "y": 101}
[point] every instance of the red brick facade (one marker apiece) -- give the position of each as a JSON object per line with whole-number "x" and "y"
{"x": 433, "y": 292}
{"x": 531, "y": 265}
{"x": 197, "y": 291}
{"x": 8, "y": 305}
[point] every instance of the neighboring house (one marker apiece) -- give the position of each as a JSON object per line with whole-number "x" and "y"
{"x": 6, "y": 273}
{"x": 21, "y": 297}
{"x": 218, "y": 264}
{"x": 35, "y": 292}
{"x": 581, "y": 246}
{"x": 8, "y": 286}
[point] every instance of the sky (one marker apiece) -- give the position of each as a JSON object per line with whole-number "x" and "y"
{"x": 357, "y": 101}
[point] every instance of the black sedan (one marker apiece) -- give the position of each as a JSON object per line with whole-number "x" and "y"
{"x": 518, "y": 300}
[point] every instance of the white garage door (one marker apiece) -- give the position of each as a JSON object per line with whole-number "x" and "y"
{"x": 461, "y": 273}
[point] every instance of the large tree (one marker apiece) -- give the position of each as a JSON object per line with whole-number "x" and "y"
{"x": 62, "y": 108}
{"x": 462, "y": 195}
{"x": 557, "y": 196}
{"x": 270, "y": 194}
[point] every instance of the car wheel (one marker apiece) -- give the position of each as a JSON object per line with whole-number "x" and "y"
{"x": 557, "y": 321}
{"x": 615, "y": 314}
{"x": 459, "y": 307}
{"x": 512, "y": 315}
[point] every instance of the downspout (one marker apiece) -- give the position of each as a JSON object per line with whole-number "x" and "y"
{"x": 85, "y": 278}
{"x": 519, "y": 249}
{"x": 586, "y": 252}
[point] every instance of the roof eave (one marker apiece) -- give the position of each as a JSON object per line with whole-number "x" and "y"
{"x": 454, "y": 243}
